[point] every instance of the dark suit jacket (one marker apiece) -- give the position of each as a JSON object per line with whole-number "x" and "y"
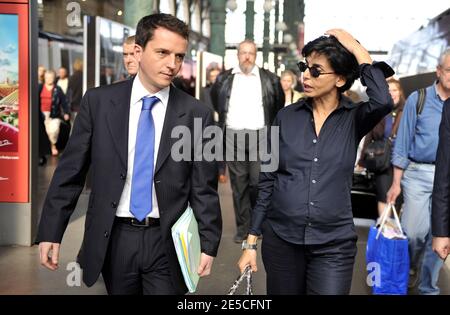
{"x": 100, "y": 140}
{"x": 440, "y": 215}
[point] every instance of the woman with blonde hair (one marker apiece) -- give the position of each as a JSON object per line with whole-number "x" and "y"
{"x": 288, "y": 81}
{"x": 53, "y": 105}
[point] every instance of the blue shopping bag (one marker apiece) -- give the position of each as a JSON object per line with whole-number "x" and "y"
{"x": 389, "y": 258}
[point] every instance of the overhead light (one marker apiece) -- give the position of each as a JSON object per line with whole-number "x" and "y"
{"x": 232, "y": 5}
{"x": 267, "y": 6}
{"x": 287, "y": 38}
{"x": 119, "y": 13}
{"x": 281, "y": 26}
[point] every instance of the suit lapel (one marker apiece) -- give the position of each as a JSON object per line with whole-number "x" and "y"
{"x": 118, "y": 119}
{"x": 174, "y": 111}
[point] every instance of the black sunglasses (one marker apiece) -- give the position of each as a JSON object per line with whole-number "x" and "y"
{"x": 314, "y": 70}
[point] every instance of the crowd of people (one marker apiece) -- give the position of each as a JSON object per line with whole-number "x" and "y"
{"x": 59, "y": 101}
{"x": 301, "y": 211}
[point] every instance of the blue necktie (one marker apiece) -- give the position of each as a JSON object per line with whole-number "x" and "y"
{"x": 141, "y": 184}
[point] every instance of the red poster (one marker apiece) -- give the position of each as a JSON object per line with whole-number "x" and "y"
{"x": 14, "y": 103}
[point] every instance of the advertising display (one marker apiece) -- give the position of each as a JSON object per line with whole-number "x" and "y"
{"x": 14, "y": 103}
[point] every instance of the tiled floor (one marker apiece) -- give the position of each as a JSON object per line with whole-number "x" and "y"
{"x": 20, "y": 272}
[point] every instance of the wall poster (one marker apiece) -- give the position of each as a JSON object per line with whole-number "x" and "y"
{"x": 14, "y": 103}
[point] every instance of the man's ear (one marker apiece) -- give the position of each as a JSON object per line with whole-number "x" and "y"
{"x": 340, "y": 81}
{"x": 138, "y": 50}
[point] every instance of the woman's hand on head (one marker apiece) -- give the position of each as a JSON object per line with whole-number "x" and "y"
{"x": 351, "y": 44}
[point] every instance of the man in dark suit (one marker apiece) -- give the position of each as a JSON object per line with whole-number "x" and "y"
{"x": 123, "y": 132}
{"x": 440, "y": 214}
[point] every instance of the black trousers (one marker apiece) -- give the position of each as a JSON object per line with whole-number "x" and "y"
{"x": 244, "y": 175}
{"x": 307, "y": 269}
{"x": 136, "y": 262}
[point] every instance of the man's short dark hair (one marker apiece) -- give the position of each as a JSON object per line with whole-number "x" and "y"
{"x": 148, "y": 24}
{"x": 342, "y": 61}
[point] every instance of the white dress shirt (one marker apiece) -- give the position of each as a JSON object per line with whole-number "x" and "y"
{"x": 159, "y": 112}
{"x": 245, "y": 110}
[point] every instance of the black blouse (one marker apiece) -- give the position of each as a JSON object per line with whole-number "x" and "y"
{"x": 307, "y": 200}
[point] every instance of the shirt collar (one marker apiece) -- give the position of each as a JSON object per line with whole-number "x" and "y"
{"x": 139, "y": 91}
{"x": 343, "y": 102}
{"x": 255, "y": 71}
{"x": 435, "y": 92}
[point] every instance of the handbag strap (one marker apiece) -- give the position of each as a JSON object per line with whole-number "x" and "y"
{"x": 247, "y": 275}
{"x": 384, "y": 217}
{"x": 397, "y": 220}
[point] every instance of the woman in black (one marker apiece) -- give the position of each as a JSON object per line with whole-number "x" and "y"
{"x": 304, "y": 207}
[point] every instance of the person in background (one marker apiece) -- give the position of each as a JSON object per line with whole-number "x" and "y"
{"x": 41, "y": 74}
{"x": 211, "y": 76}
{"x": 304, "y": 207}
{"x": 75, "y": 88}
{"x": 385, "y": 130}
{"x": 63, "y": 80}
{"x": 247, "y": 98}
{"x": 53, "y": 105}
{"x": 107, "y": 75}
{"x": 288, "y": 81}
{"x": 205, "y": 97}
{"x": 130, "y": 62}
{"x": 440, "y": 211}
{"x": 44, "y": 142}
{"x": 414, "y": 158}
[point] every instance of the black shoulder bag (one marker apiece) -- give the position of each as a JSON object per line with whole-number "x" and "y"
{"x": 378, "y": 152}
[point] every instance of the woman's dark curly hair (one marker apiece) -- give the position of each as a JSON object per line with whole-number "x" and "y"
{"x": 341, "y": 60}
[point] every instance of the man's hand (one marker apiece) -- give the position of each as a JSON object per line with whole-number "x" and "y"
{"x": 441, "y": 245}
{"x": 392, "y": 194}
{"x": 204, "y": 269}
{"x": 395, "y": 189}
{"x": 49, "y": 254}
